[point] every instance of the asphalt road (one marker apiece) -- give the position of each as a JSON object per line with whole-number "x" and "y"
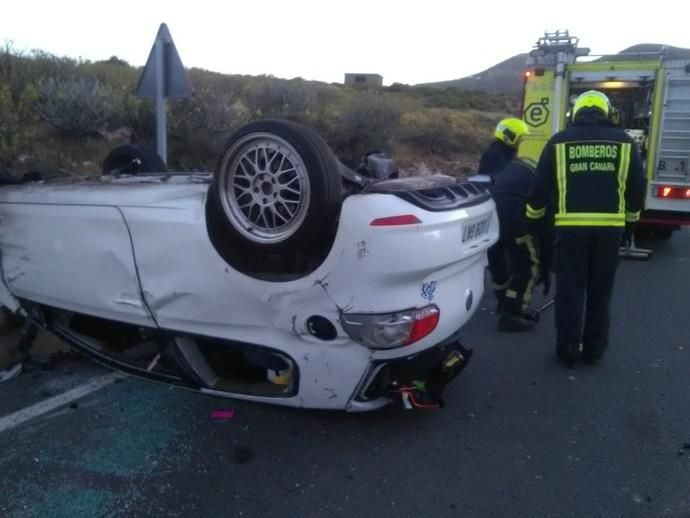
{"x": 521, "y": 435}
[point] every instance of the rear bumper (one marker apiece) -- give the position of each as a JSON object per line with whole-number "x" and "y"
{"x": 665, "y": 218}
{"x": 426, "y": 374}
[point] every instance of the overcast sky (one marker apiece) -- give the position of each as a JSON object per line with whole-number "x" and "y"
{"x": 405, "y": 41}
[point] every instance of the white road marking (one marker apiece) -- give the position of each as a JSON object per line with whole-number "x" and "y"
{"x": 47, "y": 405}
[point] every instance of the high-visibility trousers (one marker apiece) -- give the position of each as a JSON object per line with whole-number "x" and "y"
{"x": 514, "y": 267}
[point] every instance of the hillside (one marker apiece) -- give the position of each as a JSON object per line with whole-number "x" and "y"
{"x": 646, "y": 48}
{"x": 62, "y": 116}
{"x": 502, "y": 78}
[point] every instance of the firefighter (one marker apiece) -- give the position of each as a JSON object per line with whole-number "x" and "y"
{"x": 503, "y": 149}
{"x": 514, "y": 261}
{"x": 593, "y": 173}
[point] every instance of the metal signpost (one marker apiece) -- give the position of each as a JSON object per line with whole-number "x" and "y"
{"x": 163, "y": 76}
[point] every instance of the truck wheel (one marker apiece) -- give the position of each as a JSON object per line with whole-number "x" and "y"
{"x": 276, "y": 186}
{"x": 133, "y": 159}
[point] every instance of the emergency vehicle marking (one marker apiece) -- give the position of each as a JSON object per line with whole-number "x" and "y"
{"x": 584, "y": 158}
{"x": 537, "y": 113}
{"x": 593, "y": 151}
{"x": 681, "y": 167}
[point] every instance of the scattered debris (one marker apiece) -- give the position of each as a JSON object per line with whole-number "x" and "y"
{"x": 222, "y": 415}
{"x": 243, "y": 454}
{"x": 33, "y": 365}
{"x": 638, "y": 499}
{"x": 10, "y": 373}
{"x": 69, "y": 355}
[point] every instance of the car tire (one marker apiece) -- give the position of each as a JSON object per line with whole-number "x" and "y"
{"x": 133, "y": 159}
{"x": 276, "y": 187}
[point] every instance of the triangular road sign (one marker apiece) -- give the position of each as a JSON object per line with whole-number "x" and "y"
{"x": 173, "y": 74}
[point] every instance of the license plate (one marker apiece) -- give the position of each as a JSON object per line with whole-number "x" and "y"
{"x": 476, "y": 229}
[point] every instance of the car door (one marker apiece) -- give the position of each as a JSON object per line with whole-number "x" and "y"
{"x": 72, "y": 257}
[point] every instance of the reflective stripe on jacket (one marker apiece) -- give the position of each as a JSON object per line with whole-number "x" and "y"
{"x": 592, "y": 172}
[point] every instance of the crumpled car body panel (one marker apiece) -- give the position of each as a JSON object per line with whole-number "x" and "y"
{"x": 137, "y": 251}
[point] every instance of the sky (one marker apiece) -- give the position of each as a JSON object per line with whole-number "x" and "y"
{"x": 405, "y": 41}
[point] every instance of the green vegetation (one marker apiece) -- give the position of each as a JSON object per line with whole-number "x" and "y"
{"x": 62, "y": 116}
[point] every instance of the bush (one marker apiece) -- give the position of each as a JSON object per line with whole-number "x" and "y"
{"x": 83, "y": 106}
{"x": 198, "y": 126}
{"x": 17, "y": 117}
{"x": 16, "y": 123}
{"x": 368, "y": 121}
{"x": 442, "y": 131}
{"x": 272, "y": 97}
{"x": 49, "y": 104}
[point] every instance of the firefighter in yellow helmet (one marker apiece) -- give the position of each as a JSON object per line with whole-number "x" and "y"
{"x": 503, "y": 149}
{"x": 592, "y": 174}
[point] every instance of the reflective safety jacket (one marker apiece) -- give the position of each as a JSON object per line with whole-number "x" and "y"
{"x": 592, "y": 172}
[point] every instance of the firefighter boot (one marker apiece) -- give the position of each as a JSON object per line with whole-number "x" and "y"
{"x": 593, "y": 351}
{"x": 514, "y": 316}
{"x": 516, "y": 321}
{"x": 568, "y": 353}
{"x": 500, "y": 300}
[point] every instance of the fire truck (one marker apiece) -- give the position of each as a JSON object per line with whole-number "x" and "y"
{"x": 650, "y": 92}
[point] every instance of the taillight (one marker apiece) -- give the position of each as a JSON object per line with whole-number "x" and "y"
{"x": 669, "y": 192}
{"x": 389, "y": 330}
{"x": 424, "y": 325}
{"x": 404, "y": 219}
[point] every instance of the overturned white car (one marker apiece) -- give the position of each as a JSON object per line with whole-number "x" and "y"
{"x": 284, "y": 277}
